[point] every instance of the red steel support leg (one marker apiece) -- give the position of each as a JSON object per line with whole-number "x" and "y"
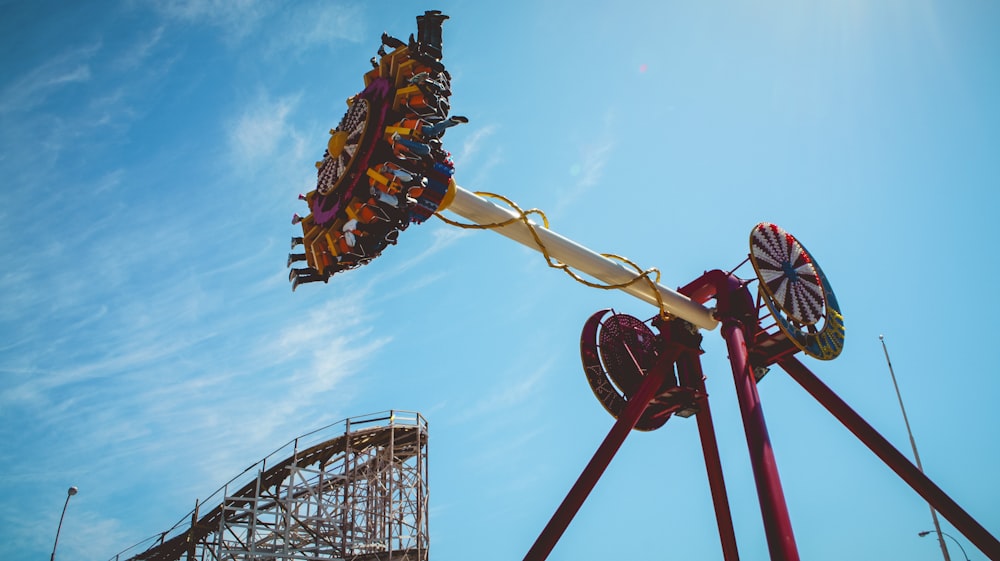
{"x": 893, "y": 458}
{"x": 595, "y": 468}
{"x": 777, "y": 523}
{"x": 690, "y": 374}
{"x": 735, "y": 308}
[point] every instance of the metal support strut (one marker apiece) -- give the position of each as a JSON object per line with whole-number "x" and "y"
{"x": 893, "y": 458}
{"x": 736, "y": 311}
{"x": 595, "y": 468}
{"x": 681, "y": 348}
{"x": 690, "y": 373}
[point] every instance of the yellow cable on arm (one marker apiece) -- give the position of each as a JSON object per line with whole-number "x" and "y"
{"x": 651, "y": 276}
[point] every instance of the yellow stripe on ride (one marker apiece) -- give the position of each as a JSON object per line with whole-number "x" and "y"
{"x": 378, "y": 177}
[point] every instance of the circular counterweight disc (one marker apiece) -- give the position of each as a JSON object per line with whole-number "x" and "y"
{"x": 787, "y": 274}
{"x": 627, "y": 351}
{"x": 796, "y": 292}
{"x": 616, "y": 354}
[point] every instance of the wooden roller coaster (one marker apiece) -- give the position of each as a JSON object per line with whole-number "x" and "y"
{"x": 361, "y": 495}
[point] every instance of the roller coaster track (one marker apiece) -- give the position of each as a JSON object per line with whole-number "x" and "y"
{"x": 361, "y": 495}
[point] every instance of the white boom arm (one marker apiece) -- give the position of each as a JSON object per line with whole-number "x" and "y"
{"x": 482, "y": 211}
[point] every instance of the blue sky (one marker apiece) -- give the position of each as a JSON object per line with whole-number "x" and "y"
{"x": 151, "y": 348}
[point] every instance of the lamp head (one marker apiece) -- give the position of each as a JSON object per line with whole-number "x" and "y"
{"x": 924, "y": 533}
{"x": 72, "y": 491}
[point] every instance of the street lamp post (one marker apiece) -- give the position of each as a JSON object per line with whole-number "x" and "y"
{"x": 72, "y": 491}
{"x": 926, "y": 532}
{"x": 913, "y": 444}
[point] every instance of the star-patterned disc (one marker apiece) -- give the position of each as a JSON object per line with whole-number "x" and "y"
{"x": 344, "y": 143}
{"x": 787, "y": 274}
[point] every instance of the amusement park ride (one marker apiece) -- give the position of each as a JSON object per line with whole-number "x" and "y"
{"x": 385, "y": 168}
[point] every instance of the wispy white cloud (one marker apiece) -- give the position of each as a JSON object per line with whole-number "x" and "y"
{"x": 472, "y": 169}
{"x": 93, "y": 535}
{"x": 110, "y": 90}
{"x": 292, "y": 27}
{"x": 261, "y": 128}
{"x": 497, "y": 455}
{"x": 319, "y": 24}
{"x": 441, "y": 239}
{"x": 473, "y": 143}
{"x": 133, "y": 355}
{"x": 36, "y": 86}
{"x": 512, "y": 408}
{"x": 588, "y": 170}
{"x": 141, "y": 50}
{"x": 304, "y": 367}
{"x": 169, "y": 389}
{"x": 109, "y": 181}
{"x": 510, "y": 393}
{"x": 237, "y": 18}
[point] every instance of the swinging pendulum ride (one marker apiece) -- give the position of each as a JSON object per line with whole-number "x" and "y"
{"x": 385, "y": 168}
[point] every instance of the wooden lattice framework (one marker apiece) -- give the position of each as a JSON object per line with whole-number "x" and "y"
{"x": 361, "y": 495}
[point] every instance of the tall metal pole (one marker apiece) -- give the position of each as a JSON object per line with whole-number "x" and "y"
{"x": 913, "y": 444}
{"x": 72, "y": 491}
{"x": 896, "y": 460}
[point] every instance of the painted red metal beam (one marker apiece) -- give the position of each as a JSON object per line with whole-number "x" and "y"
{"x": 773, "y": 508}
{"x": 690, "y": 374}
{"x": 735, "y": 310}
{"x": 651, "y": 385}
{"x": 893, "y": 458}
